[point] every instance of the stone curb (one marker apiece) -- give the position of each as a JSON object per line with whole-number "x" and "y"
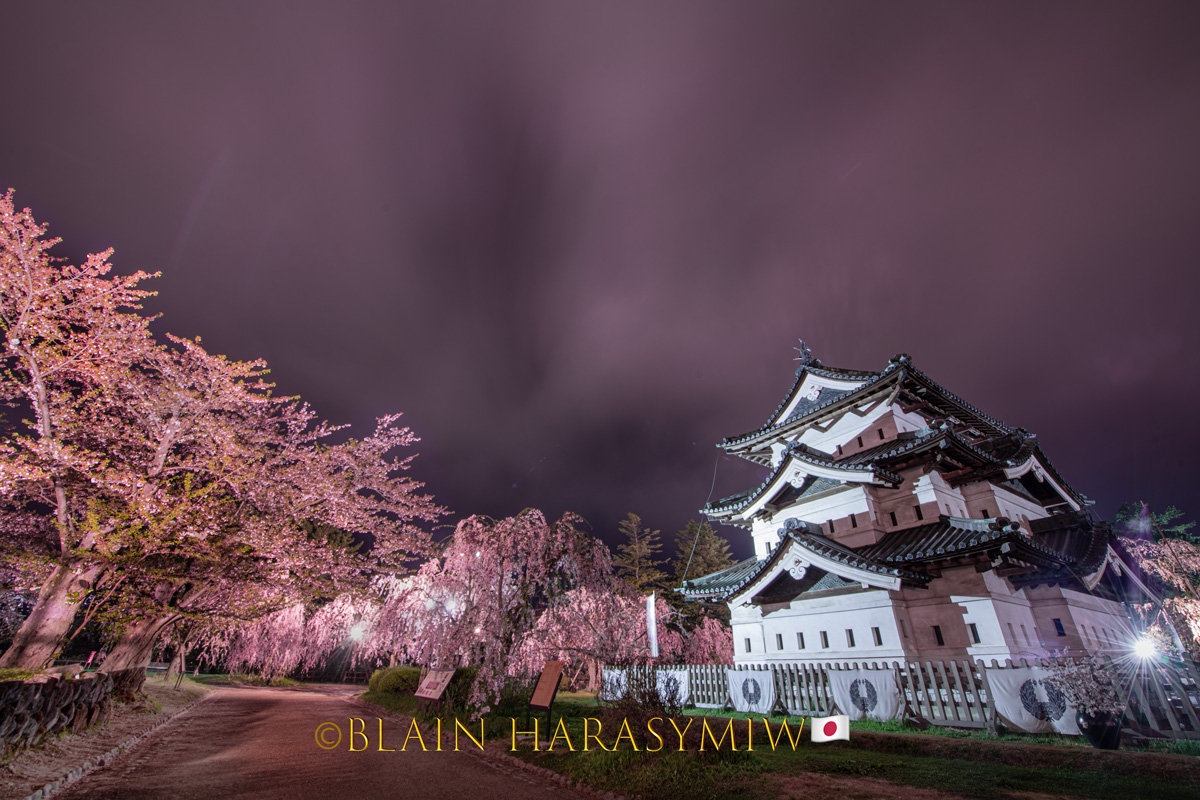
{"x": 497, "y": 755}
{"x": 96, "y": 762}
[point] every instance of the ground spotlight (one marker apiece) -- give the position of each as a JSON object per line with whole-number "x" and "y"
{"x": 1144, "y": 647}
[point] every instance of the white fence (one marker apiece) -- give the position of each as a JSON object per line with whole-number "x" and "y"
{"x": 1163, "y": 699}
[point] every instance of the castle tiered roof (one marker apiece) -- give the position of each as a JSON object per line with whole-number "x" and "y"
{"x": 967, "y": 444}
{"x": 962, "y": 444}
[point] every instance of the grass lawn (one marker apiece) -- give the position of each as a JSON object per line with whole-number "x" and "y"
{"x": 878, "y": 756}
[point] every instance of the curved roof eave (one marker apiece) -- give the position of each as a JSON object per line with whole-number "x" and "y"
{"x": 794, "y": 554}
{"x": 1036, "y": 463}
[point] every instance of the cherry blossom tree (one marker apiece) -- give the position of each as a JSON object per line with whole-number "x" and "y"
{"x": 1175, "y": 563}
{"x": 250, "y": 549}
{"x": 178, "y": 483}
{"x": 597, "y": 626}
{"x": 475, "y": 605}
{"x": 68, "y": 333}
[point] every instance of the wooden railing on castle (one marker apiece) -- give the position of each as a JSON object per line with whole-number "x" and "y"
{"x": 1163, "y": 699}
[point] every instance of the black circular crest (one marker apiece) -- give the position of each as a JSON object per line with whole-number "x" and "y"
{"x": 1053, "y": 707}
{"x": 863, "y": 695}
{"x": 670, "y": 689}
{"x": 751, "y": 691}
{"x": 613, "y": 687}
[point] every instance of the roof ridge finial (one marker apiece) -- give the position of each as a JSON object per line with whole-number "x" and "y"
{"x": 806, "y": 355}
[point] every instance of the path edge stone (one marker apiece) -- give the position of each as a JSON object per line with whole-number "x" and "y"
{"x": 74, "y": 775}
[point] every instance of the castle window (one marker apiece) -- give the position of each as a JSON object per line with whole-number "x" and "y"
{"x": 799, "y": 640}
{"x": 892, "y": 514}
{"x": 853, "y": 521}
{"x": 1058, "y": 627}
{"x": 974, "y": 632}
{"x": 824, "y": 640}
{"x": 920, "y": 515}
{"x": 1025, "y": 634}
{"x": 880, "y": 432}
{"x": 839, "y": 449}
{"x": 1012, "y": 634}
{"x": 849, "y": 637}
{"x": 779, "y": 641}
{"x": 987, "y": 514}
{"x": 860, "y": 444}
{"x": 937, "y": 634}
{"x": 830, "y": 524}
{"x": 877, "y": 636}
{"x": 747, "y": 644}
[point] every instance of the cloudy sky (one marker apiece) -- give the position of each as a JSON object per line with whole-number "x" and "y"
{"x": 575, "y": 242}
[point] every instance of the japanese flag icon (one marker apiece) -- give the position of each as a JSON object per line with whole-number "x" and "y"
{"x": 831, "y": 729}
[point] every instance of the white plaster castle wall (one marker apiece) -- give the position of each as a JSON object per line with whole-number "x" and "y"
{"x": 1010, "y": 623}
{"x": 1016, "y": 507}
{"x": 848, "y": 426}
{"x": 932, "y": 488}
{"x": 859, "y": 612}
{"x": 834, "y": 505}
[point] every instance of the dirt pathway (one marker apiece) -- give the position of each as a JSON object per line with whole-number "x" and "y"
{"x": 260, "y": 743}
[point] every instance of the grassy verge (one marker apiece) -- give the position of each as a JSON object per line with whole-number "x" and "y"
{"x": 235, "y": 679}
{"x": 963, "y": 763}
{"x": 873, "y": 726}
{"x": 17, "y": 674}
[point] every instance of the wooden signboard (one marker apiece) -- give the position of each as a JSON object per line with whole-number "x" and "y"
{"x": 434, "y": 683}
{"x": 546, "y": 689}
{"x": 432, "y": 686}
{"x": 547, "y": 685}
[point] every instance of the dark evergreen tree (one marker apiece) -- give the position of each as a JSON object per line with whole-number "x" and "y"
{"x": 700, "y": 551}
{"x": 636, "y": 561}
{"x": 1168, "y": 521}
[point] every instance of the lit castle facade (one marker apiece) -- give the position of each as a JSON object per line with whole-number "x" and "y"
{"x": 898, "y": 521}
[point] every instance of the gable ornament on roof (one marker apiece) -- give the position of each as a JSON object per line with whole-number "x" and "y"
{"x": 806, "y": 355}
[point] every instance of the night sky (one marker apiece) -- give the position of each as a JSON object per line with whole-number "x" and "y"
{"x": 575, "y": 242}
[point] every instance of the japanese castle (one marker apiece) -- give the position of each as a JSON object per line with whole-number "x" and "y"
{"x": 898, "y": 521}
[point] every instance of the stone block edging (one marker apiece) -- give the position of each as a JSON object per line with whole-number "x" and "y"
{"x": 96, "y": 762}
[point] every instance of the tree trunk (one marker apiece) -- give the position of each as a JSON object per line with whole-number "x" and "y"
{"x": 58, "y": 601}
{"x": 136, "y": 645}
{"x": 178, "y": 664}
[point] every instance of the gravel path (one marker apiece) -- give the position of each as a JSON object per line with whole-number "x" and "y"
{"x": 71, "y": 754}
{"x": 251, "y": 742}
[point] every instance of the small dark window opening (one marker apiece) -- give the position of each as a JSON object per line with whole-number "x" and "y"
{"x": 880, "y": 432}
{"x": 974, "y": 632}
{"x": 892, "y": 514}
{"x": 779, "y": 641}
{"x": 853, "y": 521}
{"x": 830, "y": 524}
{"x": 877, "y": 636}
{"x": 920, "y": 514}
{"x": 986, "y": 514}
{"x": 1058, "y": 627}
{"x": 860, "y": 444}
{"x": 849, "y": 638}
{"x": 747, "y": 644}
{"x": 824, "y": 640}
{"x": 937, "y": 634}
{"x": 839, "y": 449}
{"x": 799, "y": 640}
